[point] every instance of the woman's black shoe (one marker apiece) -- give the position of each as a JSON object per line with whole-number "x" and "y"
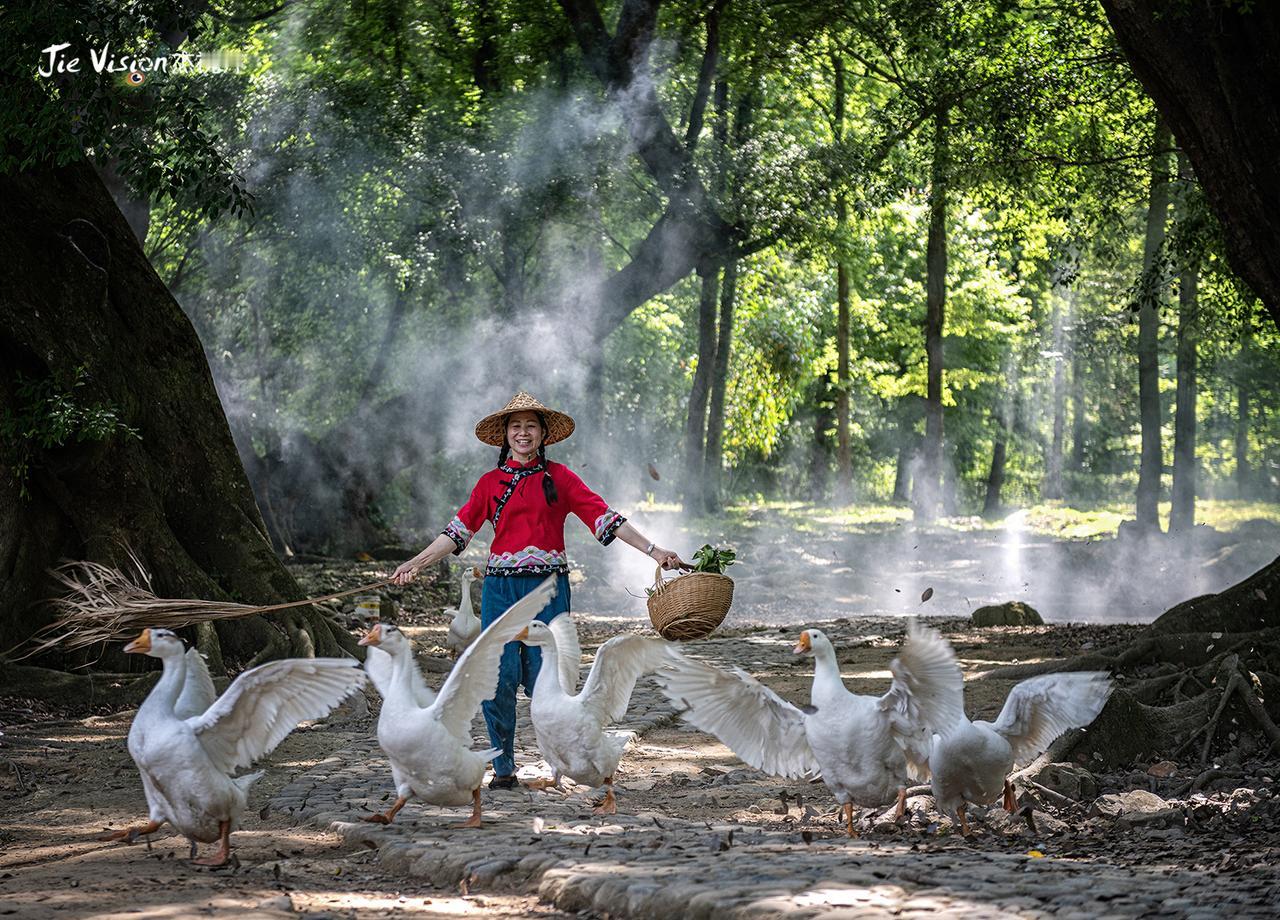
{"x": 503, "y": 782}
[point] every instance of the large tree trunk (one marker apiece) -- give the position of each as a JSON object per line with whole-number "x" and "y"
{"x": 992, "y": 504}
{"x": 1053, "y": 463}
{"x": 908, "y": 449}
{"x": 820, "y": 441}
{"x": 844, "y": 463}
{"x": 1182, "y": 516}
{"x": 1244, "y": 387}
{"x": 1151, "y": 462}
{"x": 1079, "y": 408}
{"x": 928, "y": 484}
{"x": 1213, "y": 71}
{"x": 695, "y": 428}
{"x": 995, "y": 479}
{"x": 714, "y": 462}
{"x": 713, "y": 459}
{"x": 78, "y": 293}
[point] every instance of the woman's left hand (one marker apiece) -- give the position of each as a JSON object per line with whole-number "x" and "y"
{"x": 668, "y": 560}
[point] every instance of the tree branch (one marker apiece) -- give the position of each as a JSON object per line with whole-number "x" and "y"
{"x": 710, "y": 58}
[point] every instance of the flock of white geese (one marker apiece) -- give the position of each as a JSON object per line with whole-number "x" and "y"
{"x": 188, "y": 743}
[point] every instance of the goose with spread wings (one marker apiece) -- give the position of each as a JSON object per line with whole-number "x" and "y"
{"x": 969, "y": 762}
{"x": 863, "y": 747}
{"x": 570, "y": 725}
{"x": 188, "y": 742}
{"x": 427, "y": 736}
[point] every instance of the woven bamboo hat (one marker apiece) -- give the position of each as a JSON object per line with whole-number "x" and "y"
{"x": 492, "y": 429}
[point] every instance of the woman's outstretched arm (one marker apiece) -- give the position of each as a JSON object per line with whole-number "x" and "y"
{"x": 440, "y": 547}
{"x": 666, "y": 558}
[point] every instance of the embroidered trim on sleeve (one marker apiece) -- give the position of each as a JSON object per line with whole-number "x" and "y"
{"x": 458, "y": 533}
{"x": 607, "y": 525}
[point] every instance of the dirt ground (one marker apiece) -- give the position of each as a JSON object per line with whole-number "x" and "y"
{"x": 66, "y": 778}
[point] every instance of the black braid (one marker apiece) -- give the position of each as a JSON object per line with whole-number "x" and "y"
{"x": 548, "y": 486}
{"x": 504, "y": 452}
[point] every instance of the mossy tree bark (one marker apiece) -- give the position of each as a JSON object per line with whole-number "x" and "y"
{"x": 1213, "y": 72}
{"x": 76, "y": 292}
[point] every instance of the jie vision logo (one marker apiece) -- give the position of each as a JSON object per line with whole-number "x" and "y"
{"x": 135, "y": 68}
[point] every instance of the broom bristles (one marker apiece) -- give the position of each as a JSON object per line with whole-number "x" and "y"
{"x": 103, "y": 604}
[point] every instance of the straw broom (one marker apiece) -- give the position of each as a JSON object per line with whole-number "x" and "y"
{"x": 104, "y": 603}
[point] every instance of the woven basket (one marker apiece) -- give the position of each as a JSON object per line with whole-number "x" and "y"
{"x": 689, "y": 606}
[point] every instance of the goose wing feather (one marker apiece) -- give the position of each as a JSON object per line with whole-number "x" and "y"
{"x": 1042, "y": 708}
{"x": 760, "y": 727}
{"x": 619, "y": 663}
{"x": 568, "y": 651}
{"x": 475, "y": 677}
{"x": 265, "y": 703}
{"x": 198, "y": 692}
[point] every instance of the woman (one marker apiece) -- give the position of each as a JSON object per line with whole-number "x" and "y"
{"x": 527, "y": 499}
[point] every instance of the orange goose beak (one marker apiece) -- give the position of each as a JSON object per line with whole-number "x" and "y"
{"x": 373, "y": 636}
{"x": 141, "y": 644}
{"x": 803, "y": 645}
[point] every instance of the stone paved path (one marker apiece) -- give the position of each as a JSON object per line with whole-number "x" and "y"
{"x": 657, "y": 864}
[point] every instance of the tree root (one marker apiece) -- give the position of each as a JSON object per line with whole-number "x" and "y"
{"x": 1131, "y": 728}
{"x": 1184, "y": 649}
{"x": 1236, "y": 684}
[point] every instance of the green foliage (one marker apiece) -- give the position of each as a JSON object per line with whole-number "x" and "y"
{"x": 428, "y": 175}
{"x": 159, "y": 137}
{"x": 710, "y": 559}
{"x": 50, "y": 414}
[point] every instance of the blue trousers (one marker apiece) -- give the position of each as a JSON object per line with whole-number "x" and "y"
{"x": 520, "y": 662}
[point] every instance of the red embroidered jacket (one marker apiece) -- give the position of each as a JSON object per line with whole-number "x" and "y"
{"x": 529, "y": 533}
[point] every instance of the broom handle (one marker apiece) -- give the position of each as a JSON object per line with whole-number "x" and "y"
{"x": 327, "y": 597}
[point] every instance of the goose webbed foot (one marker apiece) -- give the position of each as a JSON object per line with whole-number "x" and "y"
{"x": 848, "y": 819}
{"x": 389, "y": 815}
{"x": 609, "y": 806}
{"x": 223, "y": 853}
{"x": 474, "y": 820}
{"x": 130, "y": 834}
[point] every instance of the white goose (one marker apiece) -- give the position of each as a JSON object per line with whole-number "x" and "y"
{"x": 570, "y": 726}
{"x": 427, "y": 737}
{"x": 862, "y": 746}
{"x": 970, "y": 761}
{"x": 465, "y": 625}
{"x": 187, "y": 744}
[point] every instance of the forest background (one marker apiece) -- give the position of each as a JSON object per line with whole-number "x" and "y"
{"x": 907, "y": 259}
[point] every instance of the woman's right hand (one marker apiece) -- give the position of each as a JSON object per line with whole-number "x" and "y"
{"x": 406, "y": 572}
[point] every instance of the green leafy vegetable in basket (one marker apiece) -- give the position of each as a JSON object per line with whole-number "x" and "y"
{"x": 710, "y": 559}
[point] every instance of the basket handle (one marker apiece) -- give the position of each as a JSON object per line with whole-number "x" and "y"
{"x": 658, "y": 583}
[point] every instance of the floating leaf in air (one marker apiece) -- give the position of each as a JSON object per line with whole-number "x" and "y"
{"x": 928, "y": 593}
{"x": 653, "y": 473}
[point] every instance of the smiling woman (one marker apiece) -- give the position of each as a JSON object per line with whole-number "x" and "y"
{"x": 528, "y": 543}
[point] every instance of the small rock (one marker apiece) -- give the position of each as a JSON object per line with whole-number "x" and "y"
{"x": 1068, "y": 779}
{"x": 1010, "y": 613}
{"x": 280, "y": 902}
{"x": 1128, "y": 804}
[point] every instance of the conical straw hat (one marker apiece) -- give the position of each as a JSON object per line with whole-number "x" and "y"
{"x": 492, "y": 429}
